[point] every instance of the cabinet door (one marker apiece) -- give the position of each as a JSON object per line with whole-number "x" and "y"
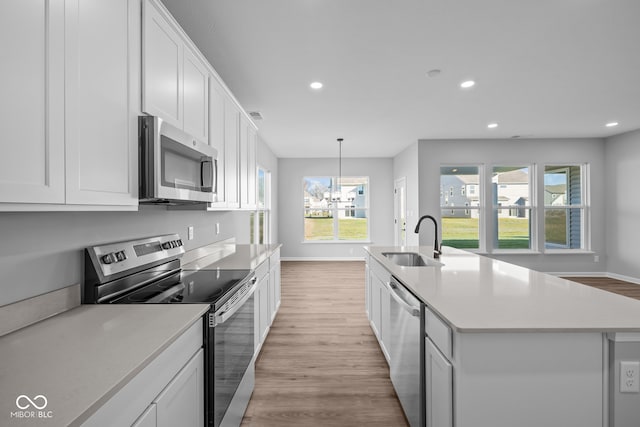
{"x": 32, "y": 101}
{"x": 385, "y": 320}
{"x": 274, "y": 288}
{"x": 248, "y": 138}
{"x": 231, "y": 153}
{"x": 439, "y": 387}
{"x": 374, "y": 308}
{"x": 181, "y": 403}
{"x": 101, "y": 113}
{"x": 216, "y": 135}
{"x": 162, "y": 58}
{"x": 195, "y": 96}
{"x": 252, "y": 166}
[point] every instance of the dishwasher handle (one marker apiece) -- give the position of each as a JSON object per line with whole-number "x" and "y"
{"x": 411, "y": 309}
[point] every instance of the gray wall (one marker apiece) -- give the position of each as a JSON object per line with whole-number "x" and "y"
{"x": 405, "y": 165}
{"x": 622, "y": 164}
{"x": 42, "y": 252}
{"x": 291, "y": 207}
{"x": 433, "y": 153}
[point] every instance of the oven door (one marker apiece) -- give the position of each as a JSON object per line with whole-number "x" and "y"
{"x": 231, "y": 373}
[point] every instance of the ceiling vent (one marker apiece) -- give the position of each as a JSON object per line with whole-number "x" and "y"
{"x": 255, "y": 115}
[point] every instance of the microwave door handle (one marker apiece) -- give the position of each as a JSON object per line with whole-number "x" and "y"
{"x": 206, "y": 161}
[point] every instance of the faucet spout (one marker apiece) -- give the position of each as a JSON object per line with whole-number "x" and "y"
{"x": 436, "y": 247}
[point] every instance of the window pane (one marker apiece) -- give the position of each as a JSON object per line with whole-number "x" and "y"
{"x": 318, "y": 225}
{"x": 514, "y": 232}
{"x": 352, "y": 224}
{"x": 459, "y": 186}
{"x": 510, "y": 186}
{"x": 261, "y": 188}
{"x": 563, "y": 228}
{"x": 460, "y": 229}
{"x": 562, "y": 185}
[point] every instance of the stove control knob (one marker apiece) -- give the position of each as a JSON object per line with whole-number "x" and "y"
{"x": 121, "y": 256}
{"x": 179, "y": 242}
{"x": 166, "y": 245}
{"x": 109, "y": 258}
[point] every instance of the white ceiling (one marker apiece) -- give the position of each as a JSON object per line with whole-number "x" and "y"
{"x": 544, "y": 68}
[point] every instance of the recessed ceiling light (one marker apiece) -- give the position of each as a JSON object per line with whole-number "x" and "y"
{"x": 467, "y": 84}
{"x": 316, "y": 85}
{"x": 433, "y": 73}
{"x": 492, "y": 125}
{"x": 611, "y": 124}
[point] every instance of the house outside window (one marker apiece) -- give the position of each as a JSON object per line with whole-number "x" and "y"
{"x": 336, "y": 211}
{"x": 460, "y": 213}
{"x": 565, "y": 208}
{"x": 511, "y": 193}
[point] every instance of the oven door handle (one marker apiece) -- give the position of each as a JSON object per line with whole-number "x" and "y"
{"x": 221, "y": 317}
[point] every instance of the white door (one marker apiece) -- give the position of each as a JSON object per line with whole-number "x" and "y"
{"x": 400, "y": 211}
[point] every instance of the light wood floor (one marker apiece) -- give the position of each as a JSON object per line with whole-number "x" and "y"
{"x": 627, "y": 289}
{"x": 321, "y": 364}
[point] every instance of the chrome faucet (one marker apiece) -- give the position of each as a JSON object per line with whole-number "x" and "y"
{"x": 436, "y": 247}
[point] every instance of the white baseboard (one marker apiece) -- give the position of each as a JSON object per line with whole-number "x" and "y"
{"x": 625, "y": 278}
{"x": 321, "y": 259}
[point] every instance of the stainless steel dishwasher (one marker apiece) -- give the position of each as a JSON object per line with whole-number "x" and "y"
{"x": 406, "y": 351}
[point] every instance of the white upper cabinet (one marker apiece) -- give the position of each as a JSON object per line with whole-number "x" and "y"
{"x": 248, "y": 146}
{"x": 195, "y": 96}
{"x": 32, "y": 101}
{"x": 69, "y": 125}
{"x": 175, "y": 77}
{"x": 102, "y": 75}
{"x": 231, "y": 153}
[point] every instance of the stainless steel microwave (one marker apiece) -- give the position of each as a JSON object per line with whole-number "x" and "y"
{"x": 175, "y": 167}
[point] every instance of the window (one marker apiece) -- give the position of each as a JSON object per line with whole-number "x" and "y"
{"x": 260, "y": 220}
{"x": 512, "y": 207}
{"x": 336, "y": 211}
{"x": 499, "y": 212}
{"x": 460, "y": 214}
{"x": 564, "y": 207}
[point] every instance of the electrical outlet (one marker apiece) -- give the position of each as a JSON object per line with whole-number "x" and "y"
{"x": 190, "y": 233}
{"x": 629, "y": 377}
{"x": 596, "y": 258}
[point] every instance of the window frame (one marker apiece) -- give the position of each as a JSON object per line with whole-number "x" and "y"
{"x": 349, "y": 207}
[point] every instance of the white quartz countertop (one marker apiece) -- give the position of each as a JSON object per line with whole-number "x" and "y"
{"x": 79, "y": 359}
{"x": 474, "y": 293}
{"x": 230, "y": 257}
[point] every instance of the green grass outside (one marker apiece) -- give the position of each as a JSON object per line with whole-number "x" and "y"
{"x": 463, "y": 233}
{"x": 318, "y": 228}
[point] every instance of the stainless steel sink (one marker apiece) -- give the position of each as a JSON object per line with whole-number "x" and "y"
{"x": 411, "y": 259}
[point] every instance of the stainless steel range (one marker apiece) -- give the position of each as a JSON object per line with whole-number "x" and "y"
{"x": 148, "y": 271}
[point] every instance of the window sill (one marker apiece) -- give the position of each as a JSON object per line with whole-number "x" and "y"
{"x": 515, "y": 252}
{"x": 568, "y": 252}
{"x": 337, "y": 242}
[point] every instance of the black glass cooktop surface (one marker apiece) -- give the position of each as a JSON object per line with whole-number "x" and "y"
{"x": 189, "y": 287}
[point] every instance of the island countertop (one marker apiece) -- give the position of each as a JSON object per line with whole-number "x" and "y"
{"x": 473, "y": 293}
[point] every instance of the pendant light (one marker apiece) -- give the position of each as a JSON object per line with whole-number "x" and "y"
{"x": 339, "y": 186}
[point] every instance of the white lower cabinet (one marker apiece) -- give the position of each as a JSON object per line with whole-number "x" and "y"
{"x": 274, "y": 284}
{"x": 379, "y": 304}
{"x": 261, "y": 300}
{"x": 439, "y": 387}
{"x": 169, "y": 391}
{"x": 182, "y": 401}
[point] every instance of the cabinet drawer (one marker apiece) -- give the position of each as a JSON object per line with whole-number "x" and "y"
{"x": 439, "y": 332}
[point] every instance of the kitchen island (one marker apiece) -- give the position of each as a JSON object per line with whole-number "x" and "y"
{"x": 505, "y": 345}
